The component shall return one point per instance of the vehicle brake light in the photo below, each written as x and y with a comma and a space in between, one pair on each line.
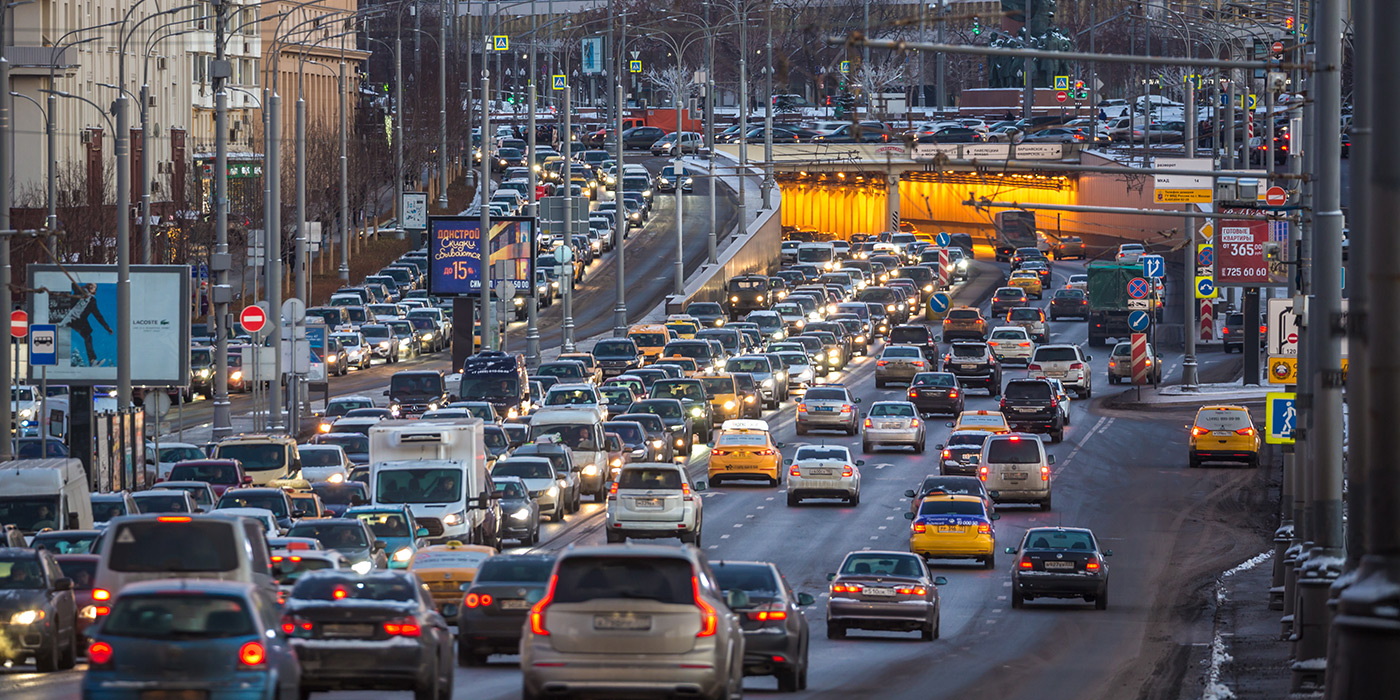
1112, 363
407, 627
101, 594
537, 612
984, 528
914, 423
709, 619
880, 363
801, 408
845, 588
1024, 345
847, 472
1032, 367
867, 423
947, 454
1092, 564
1077, 365
912, 590
1015, 438
794, 471
719, 453
1026, 563
1044, 473
846, 408
953, 394
173, 519
1247, 432
920, 528
773, 612
252, 654
918, 363
766, 453
913, 393
1225, 331
612, 492
993, 343
982, 473
473, 600
1263, 328
99, 654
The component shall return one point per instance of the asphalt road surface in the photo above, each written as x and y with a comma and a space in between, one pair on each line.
1121, 473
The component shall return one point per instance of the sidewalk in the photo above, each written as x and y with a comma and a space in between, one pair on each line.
1174, 395
1248, 660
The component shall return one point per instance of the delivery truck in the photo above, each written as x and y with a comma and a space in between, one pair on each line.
438, 470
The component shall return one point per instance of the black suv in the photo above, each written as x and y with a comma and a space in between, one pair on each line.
747, 293
974, 365
919, 336
954, 458
1031, 405
936, 392
416, 392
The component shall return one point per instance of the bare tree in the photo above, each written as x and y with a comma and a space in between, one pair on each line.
877, 76
675, 81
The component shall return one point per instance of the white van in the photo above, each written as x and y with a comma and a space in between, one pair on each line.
1016, 469
581, 430
147, 547
48, 493
438, 469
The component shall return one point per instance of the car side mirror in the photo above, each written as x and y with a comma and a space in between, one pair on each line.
780, 445
860, 463
939, 446
805, 599
701, 486
1089, 357
1010, 550
909, 493
63, 583
831, 577
1108, 552
377, 547
995, 516
949, 424
940, 581
787, 462
909, 515
736, 599
856, 401
421, 532
386, 392
1050, 458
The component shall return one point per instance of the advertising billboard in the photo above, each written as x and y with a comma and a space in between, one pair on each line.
1242, 248
455, 254
81, 300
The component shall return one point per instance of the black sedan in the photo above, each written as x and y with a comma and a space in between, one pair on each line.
1069, 302
883, 591
770, 613
934, 485
1059, 562
956, 457
376, 632
521, 514
641, 137
494, 608
38, 607
936, 392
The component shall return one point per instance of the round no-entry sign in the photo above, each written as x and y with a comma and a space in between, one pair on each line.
1275, 196
1061, 96
252, 318
19, 323
1277, 47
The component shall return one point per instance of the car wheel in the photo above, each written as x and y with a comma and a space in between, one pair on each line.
919, 447
47, 660
467, 658
558, 515
1101, 600
616, 537
1194, 461
990, 561
927, 633
1112, 379
1016, 600
68, 657
879, 383
835, 630
854, 500
866, 447
793, 499
1058, 436
1045, 504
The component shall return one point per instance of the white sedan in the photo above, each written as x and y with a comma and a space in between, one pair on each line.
823, 471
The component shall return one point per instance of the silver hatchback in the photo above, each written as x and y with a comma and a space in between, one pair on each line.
893, 423
899, 363
635, 620
828, 407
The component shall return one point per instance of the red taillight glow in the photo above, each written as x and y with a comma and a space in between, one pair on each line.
473, 600
766, 615
914, 423
537, 612
1024, 345
1026, 563
1092, 564
794, 471
340, 594
920, 528
984, 528
173, 519
845, 588
880, 363
1247, 432
1077, 365
407, 627
709, 619
918, 363
912, 590
1045, 473
1032, 367
252, 654
101, 594
99, 654
847, 472
846, 408
953, 394
868, 423
1198, 431
947, 454
982, 473
1015, 438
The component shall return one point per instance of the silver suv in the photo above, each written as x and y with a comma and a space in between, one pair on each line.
1066, 363
655, 500
1016, 468
828, 407
636, 619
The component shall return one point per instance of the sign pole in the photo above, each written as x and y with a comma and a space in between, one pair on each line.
1188, 363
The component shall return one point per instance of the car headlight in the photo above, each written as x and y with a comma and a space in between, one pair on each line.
429, 336
553, 491
656, 444
860, 339
734, 299
237, 376
833, 359
928, 288
26, 413
680, 442
800, 323
819, 356
362, 567
204, 373
646, 193
26, 617
636, 215
324, 427
729, 405
592, 469
384, 344
394, 410
521, 514
454, 518
403, 555
768, 383
697, 412
432, 406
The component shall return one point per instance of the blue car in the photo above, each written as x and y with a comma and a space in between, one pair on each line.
396, 528
187, 638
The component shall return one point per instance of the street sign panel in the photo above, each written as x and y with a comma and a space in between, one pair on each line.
19, 323
1154, 266
845, 66
253, 319
1183, 189
1276, 196
560, 83
1205, 270
1281, 335
1138, 321
43, 344
1280, 417
415, 211
1062, 82
500, 43
942, 239
1138, 288
938, 302
1240, 253
1061, 96
1205, 288
1142, 363
1140, 304
635, 66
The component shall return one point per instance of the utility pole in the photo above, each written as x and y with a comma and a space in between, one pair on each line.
123, 158
145, 174
1027, 89
344, 181
532, 328
712, 236
569, 203
767, 189
398, 134
620, 304
940, 65
678, 169
744, 106
220, 262
1188, 309
7, 110
483, 195
274, 254
299, 261
442, 105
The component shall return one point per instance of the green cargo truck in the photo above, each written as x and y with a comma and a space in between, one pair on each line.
1108, 300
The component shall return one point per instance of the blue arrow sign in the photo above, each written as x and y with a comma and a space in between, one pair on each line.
43, 344
938, 302
1154, 266
1205, 287
1137, 288
943, 239
1138, 320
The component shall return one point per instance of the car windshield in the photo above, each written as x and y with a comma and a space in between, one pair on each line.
951, 507
661, 579
531, 468
1029, 390
706, 308
508, 489
350, 442
964, 315
649, 340
902, 352
940, 379
212, 473
892, 409
151, 502
615, 348
312, 456
569, 397
1069, 294
254, 456
21, 574
825, 395
332, 535
822, 453
972, 351
862, 564
1009, 334
649, 478
966, 439
421, 485
1025, 314
339, 494
273, 500
516, 569
339, 407
715, 386
666, 410
1056, 355
336, 587
416, 384
742, 439
180, 616
1059, 540
174, 546
1012, 450
757, 580
683, 390
489, 387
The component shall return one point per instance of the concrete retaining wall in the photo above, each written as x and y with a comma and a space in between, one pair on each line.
757, 250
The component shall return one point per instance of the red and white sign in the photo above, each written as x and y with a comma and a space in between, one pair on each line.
1207, 319
252, 318
1061, 96
1277, 47
1142, 364
1239, 253
1276, 196
19, 323
943, 272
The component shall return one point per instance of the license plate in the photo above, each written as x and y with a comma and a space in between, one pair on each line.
1222, 433
825, 409
1056, 375
930, 393
1026, 409
647, 502
1016, 476
968, 366
1059, 566
950, 528
334, 630
888, 426
819, 472
622, 622
174, 694
879, 591
515, 604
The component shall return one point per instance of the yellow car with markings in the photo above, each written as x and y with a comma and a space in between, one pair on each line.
650, 339
685, 330
744, 449
447, 570
1224, 434
953, 527
985, 421
723, 393
1028, 281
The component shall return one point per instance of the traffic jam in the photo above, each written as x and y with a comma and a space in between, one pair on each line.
615, 522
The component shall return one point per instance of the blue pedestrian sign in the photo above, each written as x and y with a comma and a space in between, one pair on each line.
1280, 417
634, 67
943, 239
938, 302
845, 66
1137, 288
500, 43
559, 83
1154, 266
1138, 320
43, 344
1205, 288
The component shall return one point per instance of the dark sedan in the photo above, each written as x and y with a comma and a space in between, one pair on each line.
883, 591
936, 392
36, 603
934, 485
770, 613
376, 632
349, 536
1059, 562
1069, 302
641, 137
494, 608
956, 457
521, 513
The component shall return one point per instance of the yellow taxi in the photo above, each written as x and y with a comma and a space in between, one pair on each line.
447, 570
685, 330
953, 527
1029, 281
1224, 434
723, 393
688, 365
985, 421
306, 505
650, 339
744, 449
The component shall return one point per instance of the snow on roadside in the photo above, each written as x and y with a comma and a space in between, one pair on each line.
1219, 656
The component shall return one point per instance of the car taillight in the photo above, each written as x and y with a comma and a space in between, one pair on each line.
538, 610
918, 363
474, 600
846, 408
173, 519
1044, 473
914, 423
1083, 302
1077, 365
953, 394
867, 423
947, 454
801, 408
1225, 330
982, 473
1247, 432
880, 363
1026, 563
719, 453
771, 612
766, 453
709, 619
913, 393
1032, 367
1112, 363
1024, 345
292, 625
101, 594
912, 590
1092, 564
1263, 329
845, 588
984, 528
252, 654
920, 528
847, 472
406, 627
1198, 431
612, 492
794, 471
99, 654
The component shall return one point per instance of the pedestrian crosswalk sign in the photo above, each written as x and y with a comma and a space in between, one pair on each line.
635, 66
559, 83
500, 43
1280, 418
1062, 82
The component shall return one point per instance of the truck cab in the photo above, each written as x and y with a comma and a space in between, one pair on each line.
49, 493
438, 470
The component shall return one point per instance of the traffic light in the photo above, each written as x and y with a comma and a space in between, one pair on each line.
976, 26
1289, 24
